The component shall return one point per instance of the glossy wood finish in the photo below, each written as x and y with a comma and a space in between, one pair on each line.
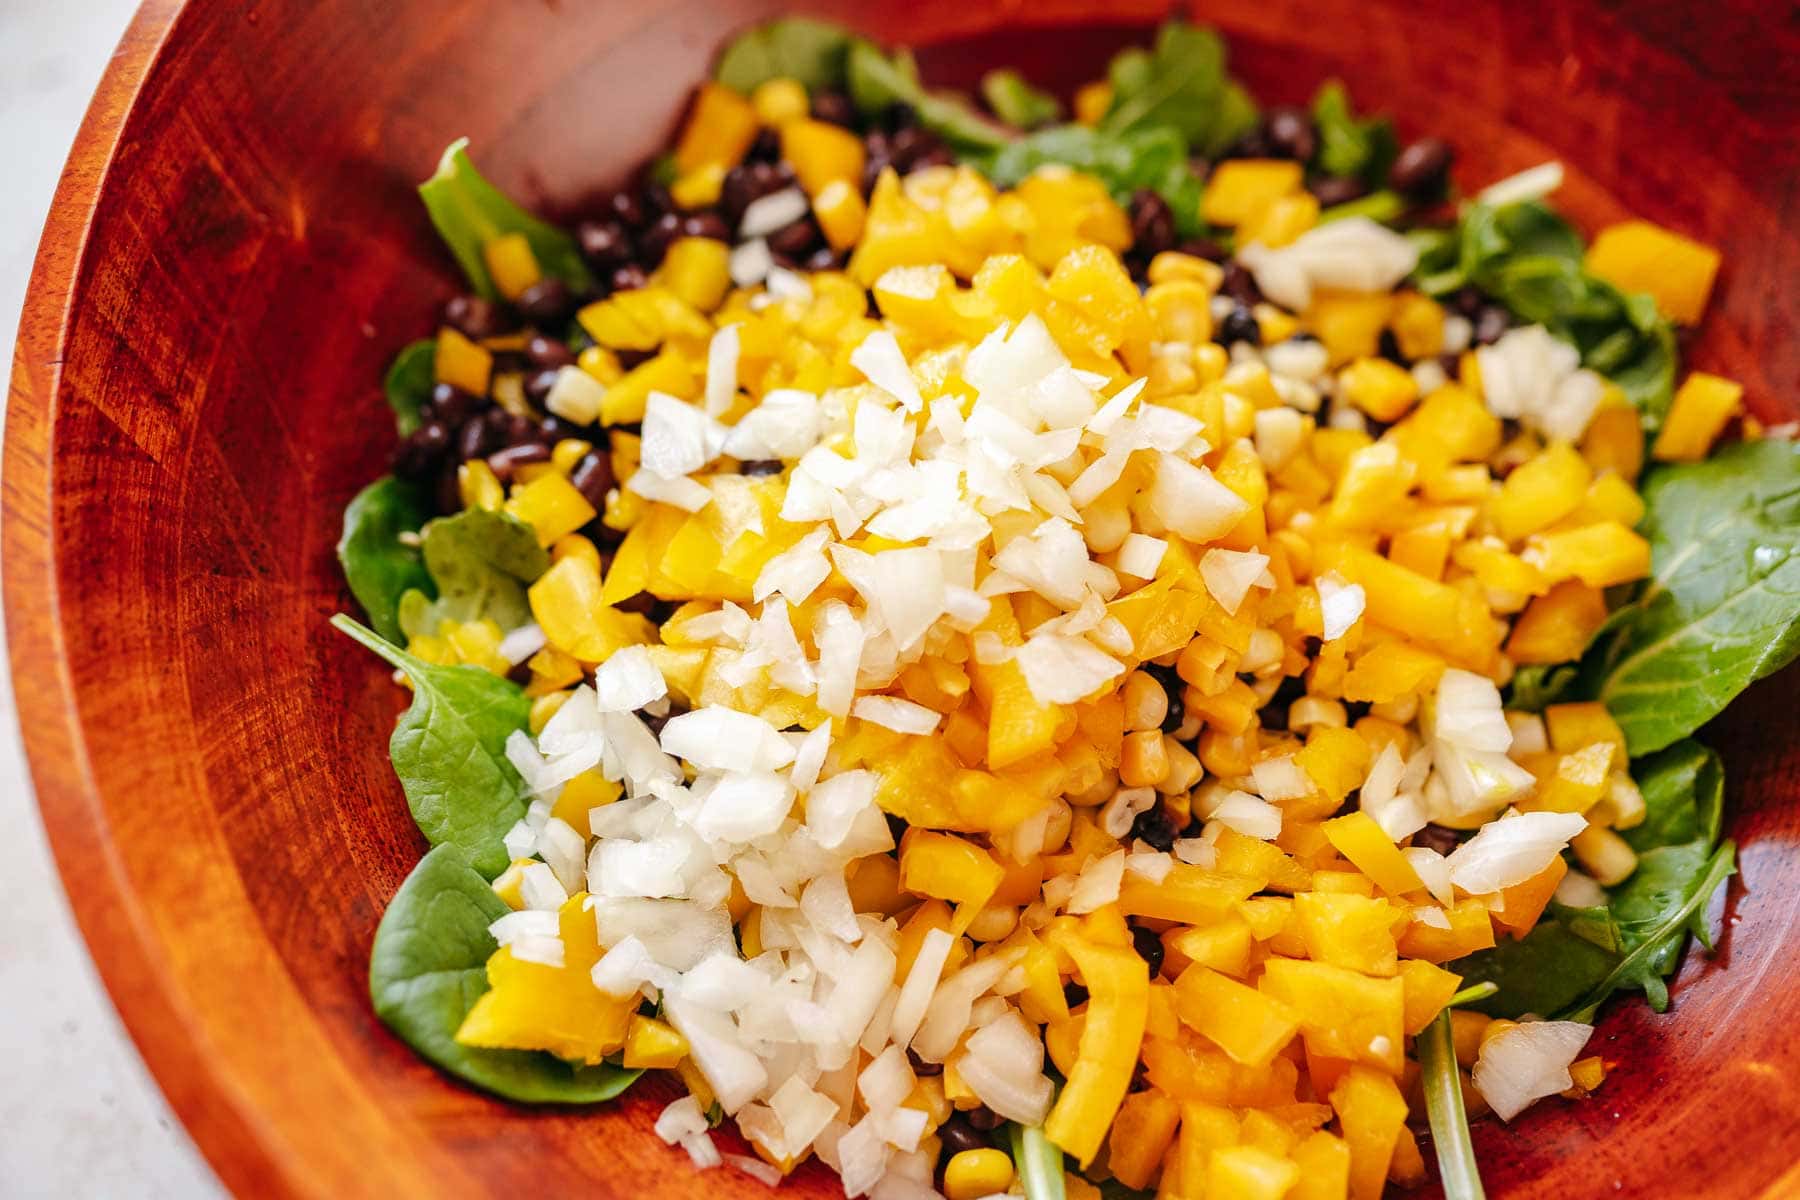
234, 254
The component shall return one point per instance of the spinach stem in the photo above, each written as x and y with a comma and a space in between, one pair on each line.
1444, 1105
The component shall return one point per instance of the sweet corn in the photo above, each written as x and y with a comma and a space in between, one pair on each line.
1604, 855
1144, 762
841, 213
974, 1173
1146, 702
1383, 389
1091, 101
780, 100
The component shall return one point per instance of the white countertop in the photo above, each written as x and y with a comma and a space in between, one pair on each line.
79, 1115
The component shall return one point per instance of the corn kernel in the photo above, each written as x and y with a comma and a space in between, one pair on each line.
1171, 265
780, 100
1418, 325
1091, 101
841, 213
1308, 711
1146, 701
1184, 770
1143, 761
1604, 855
1383, 389
602, 364
974, 1173
479, 486
511, 264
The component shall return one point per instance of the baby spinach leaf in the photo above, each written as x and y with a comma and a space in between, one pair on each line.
813, 52
1016, 102
1156, 159
469, 212
1179, 83
429, 966
1535, 688
449, 750
379, 568
877, 80
1576, 958
408, 383
1348, 147
481, 561
1722, 606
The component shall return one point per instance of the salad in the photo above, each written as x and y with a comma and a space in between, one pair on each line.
1147, 649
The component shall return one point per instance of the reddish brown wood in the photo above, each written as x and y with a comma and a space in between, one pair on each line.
235, 252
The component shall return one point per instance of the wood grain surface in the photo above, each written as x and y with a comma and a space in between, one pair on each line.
235, 252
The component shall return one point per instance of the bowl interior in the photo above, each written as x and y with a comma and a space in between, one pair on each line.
236, 253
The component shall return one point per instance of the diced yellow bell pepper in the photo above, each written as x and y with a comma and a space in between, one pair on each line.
1247, 1024
1523, 903
1223, 945
1342, 1014
509, 883
651, 1043
461, 363
1280, 221
1324, 1162
1349, 323
1600, 555
1372, 1113
581, 796
1381, 388
697, 270
1615, 441
1240, 188
1541, 492
1391, 670
1249, 1173
1636, 256
1418, 325
1356, 932
1470, 930
1703, 406
951, 868
1141, 1134
1118, 986
566, 603
1335, 759
841, 213
821, 154
1359, 839
1428, 989
1573, 782
779, 100
511, 264
530, 1006
719, 130
1572, 726
1557, 626
551, 506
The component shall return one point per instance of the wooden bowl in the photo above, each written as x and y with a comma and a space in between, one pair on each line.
235, 252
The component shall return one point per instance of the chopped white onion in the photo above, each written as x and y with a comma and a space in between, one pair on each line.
1526, 1063
1511, 850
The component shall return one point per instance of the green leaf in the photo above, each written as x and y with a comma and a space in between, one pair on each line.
469, 212
1460, 1176
878, 80
1016, 102
1156, 159
1179, 84
1383, 206
1535, 688
813, 52
482, 562
449, 750
1350, 148
1576, 958
377, 565
1039, 1162
1721, 609
429, 966
408, 383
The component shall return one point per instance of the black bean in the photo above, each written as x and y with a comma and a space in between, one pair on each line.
1437, 837
653, 243
1156, 827
1490, 323
765, 146
448, 490
422, 450
1291, 134
593, 477
655, 198
539, 383
1149, 947
1074, 995
705, 224
452, 405
746, 183
795, 241
472, 316
1337, 189
1152, 224
920, 1067
1388, 346
543, 351
629, 277
1205, 248
957, 1135
553, 429
760, 466
1452, 364
1468, 302
520, 429
1255, 144
833, 107
626, 208
1240, 284
605, 244
1239, 325
474, 438
984, 1119
937, 156
546, 302
507, 461
899, 115
909, 144
1275, 712
1423, 169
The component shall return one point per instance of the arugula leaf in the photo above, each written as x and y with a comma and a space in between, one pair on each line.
469, 212
1350, 148
449, 750
1576, 958
1722, 606
1535, 688
1460, 1175
813, 52
1530, 260
481, 562
1039, 1162
1016, 102
1145, 158
408, 383
429, 966
379, 568
878, 80
1181, 84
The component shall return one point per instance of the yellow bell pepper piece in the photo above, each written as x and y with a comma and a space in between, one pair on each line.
822, 154
1372, 1113
511, 263
1247, 1024
1141, 1135
1540, 492
461, 363
1354, 932
947, 867
1359, 839
1240, 188
1678, 272
719, 130
652, 1043
551, 506
567, 604
1600, 555
1702, 407
1342, 1014
1118, 984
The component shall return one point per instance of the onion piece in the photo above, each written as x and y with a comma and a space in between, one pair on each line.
1526, 1063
